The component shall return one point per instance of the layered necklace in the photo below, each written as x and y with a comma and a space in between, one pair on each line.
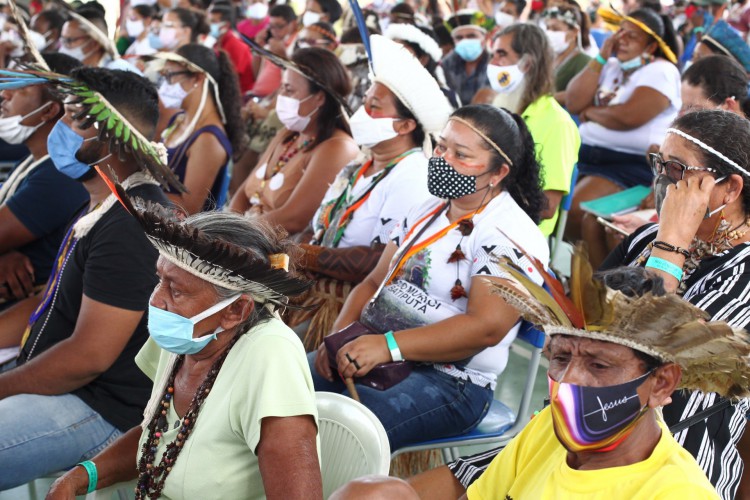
291, 150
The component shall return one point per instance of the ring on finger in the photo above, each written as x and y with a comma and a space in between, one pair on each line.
352, 361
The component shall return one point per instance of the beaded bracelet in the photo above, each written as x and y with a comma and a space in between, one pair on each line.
663, 245
600, 59
393, 347
666, 266
93, 475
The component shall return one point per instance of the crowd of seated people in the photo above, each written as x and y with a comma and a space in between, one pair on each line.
200, 199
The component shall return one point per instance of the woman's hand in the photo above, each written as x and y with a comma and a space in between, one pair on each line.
684, 209
364, 353
608, 47
74, 482
321, 363
628, 223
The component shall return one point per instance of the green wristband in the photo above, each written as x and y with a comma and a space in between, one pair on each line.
393, 347
666, 266
600, 59
93, 475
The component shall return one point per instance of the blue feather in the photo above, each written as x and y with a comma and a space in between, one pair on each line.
363, 31
18, 84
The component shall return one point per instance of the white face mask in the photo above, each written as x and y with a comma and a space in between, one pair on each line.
557, 41
504, 79
172, 94
310, 18
368, 131
134, 28
287, 109
257, 10
168, 37
503, 20
76, 52
11, 130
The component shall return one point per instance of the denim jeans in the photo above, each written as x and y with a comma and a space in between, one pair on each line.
44, 434
428, 404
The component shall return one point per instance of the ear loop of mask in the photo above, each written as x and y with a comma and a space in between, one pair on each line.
711, 213
191, 127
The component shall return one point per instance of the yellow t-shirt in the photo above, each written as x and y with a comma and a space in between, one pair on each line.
533, 466
265, 374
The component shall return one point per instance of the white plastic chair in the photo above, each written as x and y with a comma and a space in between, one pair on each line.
353, 442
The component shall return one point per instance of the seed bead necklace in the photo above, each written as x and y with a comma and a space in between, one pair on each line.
289, 153
151, 477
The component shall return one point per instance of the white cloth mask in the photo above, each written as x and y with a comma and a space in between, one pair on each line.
76, 52
172, 94
168, 37
11, 130
504, 79
257, 10
503, 20
368, 131
309, 18
287, 109
557, 40
134, 28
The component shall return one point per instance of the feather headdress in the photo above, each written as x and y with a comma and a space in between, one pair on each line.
713, 356
217, 261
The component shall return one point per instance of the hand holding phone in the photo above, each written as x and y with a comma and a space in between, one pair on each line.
609, 225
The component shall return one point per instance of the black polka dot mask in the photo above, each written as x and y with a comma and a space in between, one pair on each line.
445, 182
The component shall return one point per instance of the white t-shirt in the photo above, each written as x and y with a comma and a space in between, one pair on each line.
140, 48
660, 75
421, 293
390, 200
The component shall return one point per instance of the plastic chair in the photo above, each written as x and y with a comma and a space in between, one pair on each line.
353, 442
556, 244
501, 423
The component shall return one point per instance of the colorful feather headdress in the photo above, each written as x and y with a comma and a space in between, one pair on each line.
713, 356
217, 261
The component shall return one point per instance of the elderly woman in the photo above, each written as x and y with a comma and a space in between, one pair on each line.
430, 298
701, 248
626, 98
232, 410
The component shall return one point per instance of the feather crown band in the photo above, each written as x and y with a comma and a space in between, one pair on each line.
569, 17
713, 356
615, 18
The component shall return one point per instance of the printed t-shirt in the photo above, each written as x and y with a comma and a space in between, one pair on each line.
556, 142
390, 200
534, 465
421, 292
114, 264
660, 75
264, 375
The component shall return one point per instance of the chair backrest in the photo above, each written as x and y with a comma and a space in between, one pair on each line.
562, 220
536, 338
353, 442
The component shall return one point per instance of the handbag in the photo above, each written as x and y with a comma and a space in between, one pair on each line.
382, 376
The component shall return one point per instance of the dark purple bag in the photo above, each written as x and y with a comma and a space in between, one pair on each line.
384, 375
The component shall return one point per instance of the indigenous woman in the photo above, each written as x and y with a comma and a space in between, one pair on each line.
701, 248
202, 87
626, 98
567, 29
429, 300
370, 196
313, 146
232, 410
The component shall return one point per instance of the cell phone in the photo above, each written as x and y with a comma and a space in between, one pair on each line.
606, 223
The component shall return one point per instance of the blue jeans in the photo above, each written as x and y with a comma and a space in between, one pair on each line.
428, 404
44, 434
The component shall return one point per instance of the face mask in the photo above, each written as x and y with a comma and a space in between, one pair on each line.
557, 41
76, 52
445, 182
257, 11
368, 131
287, 108
310, 18
660, 192
134, 28
172, 94
174, 333
503, 20
469, 49
168, 37
216, 30
632, 64
504, 79
62, 145
595, 418
11, 130
154, 41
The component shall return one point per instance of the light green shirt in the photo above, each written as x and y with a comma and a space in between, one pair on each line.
265, 375
557, 141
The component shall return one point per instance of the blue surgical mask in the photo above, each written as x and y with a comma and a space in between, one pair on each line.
215, 30
174, 333
63, 144
469, 49
632, 64
154, 41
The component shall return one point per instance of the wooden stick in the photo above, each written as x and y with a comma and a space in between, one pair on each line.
349, 381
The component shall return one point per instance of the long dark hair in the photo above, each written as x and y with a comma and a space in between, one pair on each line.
324, 66
221, 69
662, 26
728, 134
193, 19
720, 77
508, 131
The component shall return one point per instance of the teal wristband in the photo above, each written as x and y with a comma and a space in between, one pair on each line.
93, 476
666, 266
393, 347
600, 59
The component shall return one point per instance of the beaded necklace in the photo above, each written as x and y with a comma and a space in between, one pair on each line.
151, 477
289, 153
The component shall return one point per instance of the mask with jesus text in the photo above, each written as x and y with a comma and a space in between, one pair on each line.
598, 419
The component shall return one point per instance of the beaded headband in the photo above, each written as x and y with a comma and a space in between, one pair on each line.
708, 148
483, 136
568, 17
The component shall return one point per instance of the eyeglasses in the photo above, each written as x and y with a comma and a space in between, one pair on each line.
673, 168
169, 75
